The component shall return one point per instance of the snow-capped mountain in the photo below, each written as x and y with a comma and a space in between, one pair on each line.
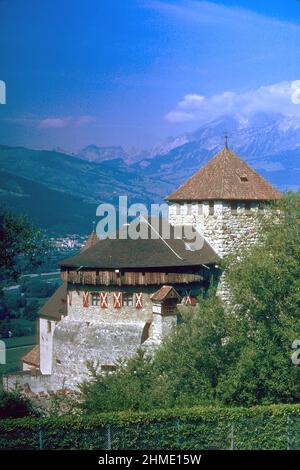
270, 143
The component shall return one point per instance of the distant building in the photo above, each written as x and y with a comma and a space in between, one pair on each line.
119, 295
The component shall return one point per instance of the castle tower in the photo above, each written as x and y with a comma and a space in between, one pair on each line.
221, 201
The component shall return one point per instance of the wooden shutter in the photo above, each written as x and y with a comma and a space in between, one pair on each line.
139, 300
85, 299
117, 299
70, 297
104, 299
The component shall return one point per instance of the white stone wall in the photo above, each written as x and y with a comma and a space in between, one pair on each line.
224, 230
79, 342
162, 326
47, 328
96, 314
28, 367
98, 335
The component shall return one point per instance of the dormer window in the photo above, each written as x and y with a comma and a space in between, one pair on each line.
243, 178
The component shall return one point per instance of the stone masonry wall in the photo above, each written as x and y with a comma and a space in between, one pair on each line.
224, 230
77, 342
76, 311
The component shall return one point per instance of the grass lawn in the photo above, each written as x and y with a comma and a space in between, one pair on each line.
16, 348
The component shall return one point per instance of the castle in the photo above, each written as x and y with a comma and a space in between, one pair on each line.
119, 294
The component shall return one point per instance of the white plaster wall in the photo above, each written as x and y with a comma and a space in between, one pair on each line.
78, 342
27, 367
46, 345
162, 326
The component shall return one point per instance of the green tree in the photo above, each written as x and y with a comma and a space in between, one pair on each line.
31, 310
21, 245
239, 354
265, 287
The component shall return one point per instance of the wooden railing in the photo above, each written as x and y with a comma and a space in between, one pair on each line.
129, 278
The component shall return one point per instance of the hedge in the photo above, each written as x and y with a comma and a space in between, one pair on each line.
261, 427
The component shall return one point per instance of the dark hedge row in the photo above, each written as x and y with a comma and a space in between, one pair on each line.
262, 427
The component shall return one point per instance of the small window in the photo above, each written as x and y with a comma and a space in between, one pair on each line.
95, 299
49, 326
211, 208
243, 178
248, 207
58, 361
127, 299
234, 208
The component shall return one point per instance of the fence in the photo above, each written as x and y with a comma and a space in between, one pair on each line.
280, 432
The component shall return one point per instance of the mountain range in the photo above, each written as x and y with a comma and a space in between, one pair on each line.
60, 191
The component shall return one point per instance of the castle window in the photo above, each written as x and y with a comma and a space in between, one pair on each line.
211, 207
127, 299
248, 208
95, 299
48, 326
243, 178
233, 207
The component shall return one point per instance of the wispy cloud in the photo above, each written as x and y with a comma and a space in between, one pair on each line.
283, 97
84, 120
211, 13
66, 121
54, 123
58, 122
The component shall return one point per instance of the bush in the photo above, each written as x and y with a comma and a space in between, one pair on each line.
261, 427
13, 405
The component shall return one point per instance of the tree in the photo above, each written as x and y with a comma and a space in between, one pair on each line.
265, 288
237, 354
21, 244
31, 310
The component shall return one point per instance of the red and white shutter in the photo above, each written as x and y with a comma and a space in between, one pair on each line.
188, 300
139, 300
117, 299
70, 297
85, 299
103, 299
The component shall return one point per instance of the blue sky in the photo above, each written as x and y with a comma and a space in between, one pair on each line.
115, 72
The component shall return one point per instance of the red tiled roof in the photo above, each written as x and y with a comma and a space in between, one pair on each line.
225, 177
56, 305
32, 357
165, 292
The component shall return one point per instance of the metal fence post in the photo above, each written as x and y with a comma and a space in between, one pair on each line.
288, 440
232, 437
178, 432
41, 440
108, 437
